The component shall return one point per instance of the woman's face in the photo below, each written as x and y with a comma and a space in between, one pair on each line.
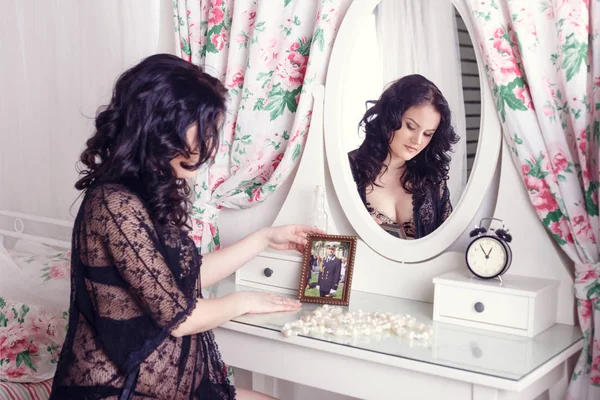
418, 126
192, 141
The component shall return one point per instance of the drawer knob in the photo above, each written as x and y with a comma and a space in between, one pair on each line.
268, 272
479, 307
476, 350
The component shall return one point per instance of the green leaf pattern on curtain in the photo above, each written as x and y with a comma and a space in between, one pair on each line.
542, 59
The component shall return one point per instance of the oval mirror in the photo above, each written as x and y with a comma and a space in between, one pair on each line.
385, 125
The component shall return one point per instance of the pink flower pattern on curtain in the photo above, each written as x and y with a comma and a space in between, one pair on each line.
543, 64
267, 54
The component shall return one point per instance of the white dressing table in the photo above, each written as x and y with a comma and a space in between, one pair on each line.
462, 363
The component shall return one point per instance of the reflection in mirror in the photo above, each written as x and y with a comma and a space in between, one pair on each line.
415, 98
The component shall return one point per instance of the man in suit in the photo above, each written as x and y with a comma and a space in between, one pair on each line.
329, 275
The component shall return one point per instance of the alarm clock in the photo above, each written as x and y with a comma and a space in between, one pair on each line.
489, 255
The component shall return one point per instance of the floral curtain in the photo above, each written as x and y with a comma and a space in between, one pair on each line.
267, 54
543, 63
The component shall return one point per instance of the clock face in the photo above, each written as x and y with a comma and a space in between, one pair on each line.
486, 257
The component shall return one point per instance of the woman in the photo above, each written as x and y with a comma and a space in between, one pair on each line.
401, 168
138, 325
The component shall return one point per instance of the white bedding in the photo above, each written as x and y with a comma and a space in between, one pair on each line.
34, 303
35, 273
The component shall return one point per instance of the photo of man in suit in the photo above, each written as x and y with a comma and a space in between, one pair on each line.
329, 274
326, 269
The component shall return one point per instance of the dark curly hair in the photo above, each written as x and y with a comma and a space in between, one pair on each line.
429, 167
144, 127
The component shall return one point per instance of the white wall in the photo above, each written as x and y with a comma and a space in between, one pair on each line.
58, 63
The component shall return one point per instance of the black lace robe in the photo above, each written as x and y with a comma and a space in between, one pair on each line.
132, 283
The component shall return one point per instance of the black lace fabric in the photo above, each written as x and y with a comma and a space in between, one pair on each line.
432, 209
132, 284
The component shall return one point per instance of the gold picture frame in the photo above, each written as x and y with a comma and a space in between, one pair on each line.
327, 269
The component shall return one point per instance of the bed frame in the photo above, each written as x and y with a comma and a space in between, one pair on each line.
48, 231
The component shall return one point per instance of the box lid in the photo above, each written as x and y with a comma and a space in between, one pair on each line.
281, 255
511, 284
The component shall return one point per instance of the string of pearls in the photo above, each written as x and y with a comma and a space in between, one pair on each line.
334, 321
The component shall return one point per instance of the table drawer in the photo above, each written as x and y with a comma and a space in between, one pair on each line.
481, 306
271, 270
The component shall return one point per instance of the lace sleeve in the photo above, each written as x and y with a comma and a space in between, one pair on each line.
132, 242
446, 208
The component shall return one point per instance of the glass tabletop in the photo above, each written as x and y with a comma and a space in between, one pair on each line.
485, 352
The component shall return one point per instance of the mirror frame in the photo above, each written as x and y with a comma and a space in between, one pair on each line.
484, 166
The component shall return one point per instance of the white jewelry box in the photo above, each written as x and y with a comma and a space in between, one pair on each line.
518, 305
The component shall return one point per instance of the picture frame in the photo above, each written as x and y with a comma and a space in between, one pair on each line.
327, 269
394, 230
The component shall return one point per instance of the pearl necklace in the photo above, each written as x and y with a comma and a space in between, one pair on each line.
334, 321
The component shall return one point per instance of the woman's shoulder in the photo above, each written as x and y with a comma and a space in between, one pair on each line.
107, 205
114, 196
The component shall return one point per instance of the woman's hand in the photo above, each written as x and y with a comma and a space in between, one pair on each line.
262, 303
289, 237
210, 313
221, 263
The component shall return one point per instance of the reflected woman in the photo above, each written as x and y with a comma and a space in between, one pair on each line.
401, 168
